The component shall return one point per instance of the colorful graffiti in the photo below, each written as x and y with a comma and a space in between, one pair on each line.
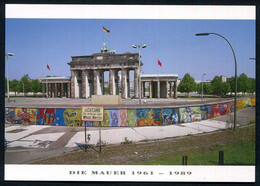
72, 117
170, 116
106, 122
45, 116
131, 117
223, 109
148, 117
25, 116
9, 115
252, 102
113, 118
190, 114
122, 118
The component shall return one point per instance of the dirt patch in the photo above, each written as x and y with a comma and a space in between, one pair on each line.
147, 150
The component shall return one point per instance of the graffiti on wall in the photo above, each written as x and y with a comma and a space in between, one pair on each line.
223, 109
148, 117
106, 122
25, 116
131, 117
170, 116
204, 112
9, 115
252, 102
113, 118
190, 114
122, 118
72, 117
45, 116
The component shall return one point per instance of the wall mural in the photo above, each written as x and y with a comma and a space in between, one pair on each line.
190, 114
148, 117
210, 111
9, 115
241, 104
45, 116
72, 117
122, 117
113, 118
252, 102
106, 122
131, 117
204, 112
170, 116
25, 116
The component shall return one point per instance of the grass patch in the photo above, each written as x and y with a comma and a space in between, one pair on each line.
240, 153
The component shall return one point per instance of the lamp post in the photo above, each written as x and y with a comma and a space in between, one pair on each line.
139, 69
7, 78
235, 100
202, 87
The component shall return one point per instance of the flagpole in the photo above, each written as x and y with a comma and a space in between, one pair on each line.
46, 87
158, 79
102, 39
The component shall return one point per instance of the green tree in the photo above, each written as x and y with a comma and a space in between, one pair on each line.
241, 83
14, 86
187, 84
216, 84
25, 80
231, 82
36, 86
250, 85
225, 88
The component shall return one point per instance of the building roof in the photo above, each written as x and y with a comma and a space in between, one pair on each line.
159, 75
57, 77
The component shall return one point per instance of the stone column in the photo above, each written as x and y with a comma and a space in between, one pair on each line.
49, 90
72, 84
158, 93
175, 89
123, 83
136, 83
142, 88
43, 90
167, 94
61, 90
150, 90
68, 89
170, 89
111, 82
83, 83
55, 90
95, 81
128, 83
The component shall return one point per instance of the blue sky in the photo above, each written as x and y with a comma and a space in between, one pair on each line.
38, 42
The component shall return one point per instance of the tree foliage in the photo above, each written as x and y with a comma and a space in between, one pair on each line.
241, 83
187, 84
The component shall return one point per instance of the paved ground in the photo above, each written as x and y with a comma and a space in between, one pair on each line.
133, 103
31, 143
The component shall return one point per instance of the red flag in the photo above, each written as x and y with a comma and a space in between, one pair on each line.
159, 63
48, 67
105, 30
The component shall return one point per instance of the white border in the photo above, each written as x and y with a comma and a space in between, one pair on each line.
129, 11
160, 173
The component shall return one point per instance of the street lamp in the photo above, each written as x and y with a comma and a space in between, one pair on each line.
8, 54
202, 87
235, 101
139, 69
